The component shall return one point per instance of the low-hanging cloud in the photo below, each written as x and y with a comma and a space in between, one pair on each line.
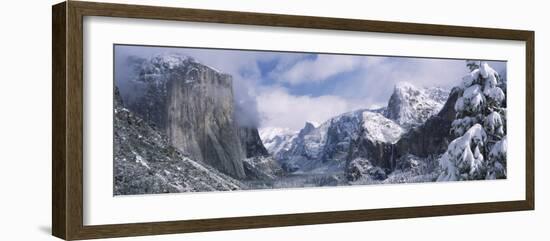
318, 69
374, 82
242, 66
281, 109
281, 89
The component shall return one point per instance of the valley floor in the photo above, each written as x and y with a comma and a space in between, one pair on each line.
418, 174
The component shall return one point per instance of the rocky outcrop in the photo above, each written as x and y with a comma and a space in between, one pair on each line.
410, 106
361, 168
376, 141
262, 168
432, 137
276, 139
306, 144
380, 154
145, 162
252, 143
362, 133
367, 134
194, 105
200, 118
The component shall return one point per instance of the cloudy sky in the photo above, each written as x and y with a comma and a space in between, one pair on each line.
285, 89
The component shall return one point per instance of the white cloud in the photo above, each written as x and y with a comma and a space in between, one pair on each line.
318, 69
370, 85
281, 109
374, 83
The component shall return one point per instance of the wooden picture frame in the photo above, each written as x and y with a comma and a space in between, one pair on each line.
67, 124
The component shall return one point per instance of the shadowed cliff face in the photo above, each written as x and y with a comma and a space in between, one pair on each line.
146, 163
433, 136
194, 105
250, 139
430, 138
410, 106
200, 118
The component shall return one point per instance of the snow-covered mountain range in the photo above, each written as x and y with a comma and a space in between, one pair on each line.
277, 139
179, 131
185, 110
194, 105
358, 133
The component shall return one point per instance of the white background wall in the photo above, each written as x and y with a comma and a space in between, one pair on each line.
25, 120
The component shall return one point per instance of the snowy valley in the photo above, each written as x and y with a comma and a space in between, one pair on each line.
178, 130
358, 147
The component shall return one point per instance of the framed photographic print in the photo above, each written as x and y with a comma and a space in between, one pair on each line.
171, 120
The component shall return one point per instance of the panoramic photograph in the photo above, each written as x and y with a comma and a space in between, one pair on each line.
204, 120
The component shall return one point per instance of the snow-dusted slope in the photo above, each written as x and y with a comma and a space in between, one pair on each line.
361, 133
262, 168
328, 145
146, 163
194, 105
411, 106
379, 128
276, 139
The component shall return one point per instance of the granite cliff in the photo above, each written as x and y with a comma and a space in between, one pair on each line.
193, 104
146, 163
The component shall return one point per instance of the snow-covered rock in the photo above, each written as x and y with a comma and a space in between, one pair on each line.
411, 106
361, 168
379, 128
194, 105
262, 168
409, 169
358, 134
252, 142
433, 136
277, 139
328, 146
146, 163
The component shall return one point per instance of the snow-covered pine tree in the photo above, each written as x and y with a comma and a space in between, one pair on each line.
479, 150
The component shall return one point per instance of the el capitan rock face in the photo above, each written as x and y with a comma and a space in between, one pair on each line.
194, 105
145, 162
182, 126
200, 118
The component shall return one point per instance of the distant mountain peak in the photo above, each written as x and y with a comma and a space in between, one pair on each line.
379, 128
276, 139
307, 128
402, 85
410, 106
313, 123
